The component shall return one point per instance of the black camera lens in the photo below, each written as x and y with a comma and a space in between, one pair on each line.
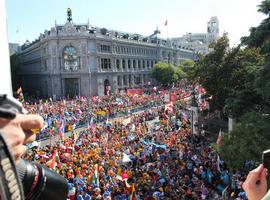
41, 183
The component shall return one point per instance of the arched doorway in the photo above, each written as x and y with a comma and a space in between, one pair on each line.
107, 87
71, 87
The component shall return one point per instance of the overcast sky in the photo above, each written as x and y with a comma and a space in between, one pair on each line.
28, 18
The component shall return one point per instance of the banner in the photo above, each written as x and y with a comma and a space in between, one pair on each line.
173, 97
134, 91
167, 97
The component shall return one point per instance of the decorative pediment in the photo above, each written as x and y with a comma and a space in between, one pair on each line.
69, 28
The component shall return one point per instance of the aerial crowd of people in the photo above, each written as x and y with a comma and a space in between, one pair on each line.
132, 147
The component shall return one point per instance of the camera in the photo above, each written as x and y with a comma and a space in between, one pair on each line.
25, 180
41, 183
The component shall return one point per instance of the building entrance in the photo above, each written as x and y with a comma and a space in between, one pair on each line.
107, 87
71, 87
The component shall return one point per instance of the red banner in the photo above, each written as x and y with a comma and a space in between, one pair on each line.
173, 97
134, 91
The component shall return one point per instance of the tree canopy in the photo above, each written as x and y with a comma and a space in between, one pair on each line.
166, 73
238, 78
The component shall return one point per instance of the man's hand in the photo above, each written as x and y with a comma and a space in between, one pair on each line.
255, 185
17, 132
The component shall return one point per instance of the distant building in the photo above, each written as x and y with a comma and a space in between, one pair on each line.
79, 59
199, 42
13, 48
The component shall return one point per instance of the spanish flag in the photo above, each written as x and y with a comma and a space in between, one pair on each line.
20, 94
52, 163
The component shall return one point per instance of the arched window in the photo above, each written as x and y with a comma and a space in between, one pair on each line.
70, 58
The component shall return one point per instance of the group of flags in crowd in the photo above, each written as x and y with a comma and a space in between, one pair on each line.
170, 98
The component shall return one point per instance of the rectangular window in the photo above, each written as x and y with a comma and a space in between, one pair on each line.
45, 65
129, 64
139, 64
118, 64
105, 63
118, 80
123, 64
134, 64
105, 48
125, 80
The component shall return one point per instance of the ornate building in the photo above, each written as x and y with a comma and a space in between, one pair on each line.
199, 42
78, 59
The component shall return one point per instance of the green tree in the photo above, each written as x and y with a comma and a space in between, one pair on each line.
211, 73
249, 138
228, 75
244, 65
165, 73
259, 38
189, 69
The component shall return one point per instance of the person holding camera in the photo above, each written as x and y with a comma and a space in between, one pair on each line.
21, 179
17, 132
255, 184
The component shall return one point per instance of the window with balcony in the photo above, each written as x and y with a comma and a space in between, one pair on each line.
123, 64
134, 64
105, 48
129, 64
105, 63
118, 64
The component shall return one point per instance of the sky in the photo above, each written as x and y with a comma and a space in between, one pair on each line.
26, 19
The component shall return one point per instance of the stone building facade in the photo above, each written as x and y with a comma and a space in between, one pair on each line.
199, 42
74, 59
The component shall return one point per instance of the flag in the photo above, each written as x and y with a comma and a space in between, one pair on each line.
89, 124
126, 158
19, 90
132, 195
126, 121
166, 22
127, 184
20, 94
173, 97
169, 107
74, 137
96, 176
62, 130
219, 140
53, 162
218, 163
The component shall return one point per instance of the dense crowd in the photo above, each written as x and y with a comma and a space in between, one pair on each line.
148, 154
